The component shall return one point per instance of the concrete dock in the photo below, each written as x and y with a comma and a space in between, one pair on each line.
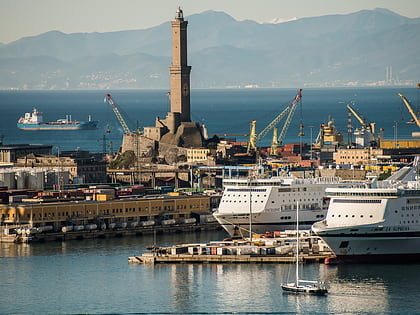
265, 249
152, 258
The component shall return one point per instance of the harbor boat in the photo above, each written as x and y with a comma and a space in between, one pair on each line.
265, 204
34, 121
311, 287
303, 286
380, 223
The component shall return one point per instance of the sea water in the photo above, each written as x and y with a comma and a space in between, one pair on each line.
222, 111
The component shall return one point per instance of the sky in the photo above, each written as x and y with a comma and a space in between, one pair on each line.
21, 18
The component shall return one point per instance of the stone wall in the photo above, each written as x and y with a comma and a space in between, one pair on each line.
150, 149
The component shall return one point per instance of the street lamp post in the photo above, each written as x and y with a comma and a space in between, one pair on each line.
311, 127
396, 134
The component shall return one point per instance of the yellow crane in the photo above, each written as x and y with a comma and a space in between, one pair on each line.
410, 109
370, 126
287, 112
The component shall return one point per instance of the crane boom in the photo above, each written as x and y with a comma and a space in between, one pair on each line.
362, 122
286, 125
117, 113
370, 126
410, 109
280, 116
289, 111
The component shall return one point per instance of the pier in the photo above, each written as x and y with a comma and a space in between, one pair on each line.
260, 250
152, 258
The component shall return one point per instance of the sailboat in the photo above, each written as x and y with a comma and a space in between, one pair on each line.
303, 286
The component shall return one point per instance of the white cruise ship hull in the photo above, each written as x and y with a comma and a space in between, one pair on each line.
375, 224
369, 246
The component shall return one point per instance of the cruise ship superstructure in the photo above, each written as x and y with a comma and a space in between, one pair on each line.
269, 204
380, 223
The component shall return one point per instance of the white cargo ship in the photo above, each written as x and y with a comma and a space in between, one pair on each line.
269, 204
34, 121
380, 223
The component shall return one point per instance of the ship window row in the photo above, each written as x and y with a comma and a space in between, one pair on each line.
411, 208
408, 222
297, 189
301, 206
258, 184
239, 216
409, 215
366, 194
413, 200
355, 201
411, 192
246, 190
315, 194
239, 201
283, 189
245, 196
348, 215
309, 199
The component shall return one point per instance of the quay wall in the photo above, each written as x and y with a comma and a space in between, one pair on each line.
108, 215
108, 233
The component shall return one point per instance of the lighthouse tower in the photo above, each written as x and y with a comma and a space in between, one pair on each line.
179, 70
177, 128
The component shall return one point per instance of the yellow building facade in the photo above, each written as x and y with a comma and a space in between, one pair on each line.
392, 144
356, 156
197, 155
59, 214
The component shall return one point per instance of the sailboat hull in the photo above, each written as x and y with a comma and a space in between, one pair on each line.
311, 287
303, 289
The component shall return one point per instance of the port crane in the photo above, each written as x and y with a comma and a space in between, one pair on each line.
287, 112
410, 109
365, 125
114, 106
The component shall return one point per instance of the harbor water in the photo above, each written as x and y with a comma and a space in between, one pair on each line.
94, 277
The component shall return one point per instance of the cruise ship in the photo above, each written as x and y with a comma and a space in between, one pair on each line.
34, 121
269, 204
379, 223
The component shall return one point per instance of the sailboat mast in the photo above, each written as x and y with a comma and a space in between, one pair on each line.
297, 243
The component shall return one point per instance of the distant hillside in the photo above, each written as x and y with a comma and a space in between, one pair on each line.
328, 50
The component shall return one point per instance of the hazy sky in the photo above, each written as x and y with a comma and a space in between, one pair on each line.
20, 18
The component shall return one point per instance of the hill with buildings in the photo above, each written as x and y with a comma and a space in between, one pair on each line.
370, 47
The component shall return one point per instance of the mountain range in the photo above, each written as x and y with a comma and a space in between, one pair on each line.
369, 47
